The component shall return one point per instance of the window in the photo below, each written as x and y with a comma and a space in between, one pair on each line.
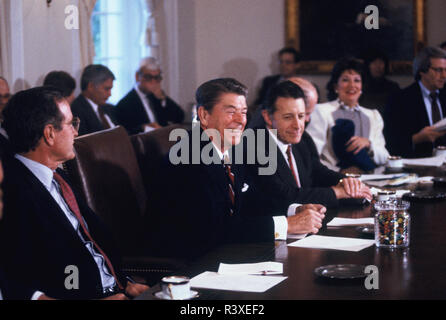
118, 28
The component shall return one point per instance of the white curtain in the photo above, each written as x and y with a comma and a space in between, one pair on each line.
5, 59
152, 39
85, 35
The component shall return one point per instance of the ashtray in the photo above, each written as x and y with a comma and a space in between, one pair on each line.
341, 271
424, 196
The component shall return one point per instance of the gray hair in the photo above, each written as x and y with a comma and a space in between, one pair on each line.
150, 63
96, 74
422, 61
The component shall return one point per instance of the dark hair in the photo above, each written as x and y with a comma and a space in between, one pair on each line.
296, 54
374, 55
422, 61
443, 45
284, 89
62, 81
95, 73
339, 68
208, 94
27, 113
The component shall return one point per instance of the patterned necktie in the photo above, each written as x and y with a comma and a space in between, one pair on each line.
435, 110
104, 121
290, 162
70, 199
231, 184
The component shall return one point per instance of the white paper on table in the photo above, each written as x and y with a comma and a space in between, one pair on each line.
341, 222
245, 283
251, 268
398, 193
408, 178
428, 162
369, 177
335, 243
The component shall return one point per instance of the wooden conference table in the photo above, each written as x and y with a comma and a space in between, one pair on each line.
418, 272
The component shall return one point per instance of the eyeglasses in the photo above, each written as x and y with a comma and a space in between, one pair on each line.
438, 70
76, 123
5, 96
149, 77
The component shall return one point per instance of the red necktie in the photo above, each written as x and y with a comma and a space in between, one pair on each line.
68, 195
290, 162
435, 110
231, 185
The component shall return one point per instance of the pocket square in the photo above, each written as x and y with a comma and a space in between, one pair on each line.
245, 187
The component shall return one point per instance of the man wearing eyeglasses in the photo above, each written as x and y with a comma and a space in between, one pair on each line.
410, 115
146, 106
51, 243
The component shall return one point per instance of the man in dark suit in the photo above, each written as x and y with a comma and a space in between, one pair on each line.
210, 191
51, 243
410, 115
90, 106
289, 59
300, 176
146, 106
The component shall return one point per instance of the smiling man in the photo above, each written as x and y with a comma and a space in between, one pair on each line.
300, 176
211, 204
410, 115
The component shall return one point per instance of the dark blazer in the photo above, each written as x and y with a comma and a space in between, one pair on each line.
37, 242
281, 188
267, 84
5, 146
132, 115
89, 120
199, 218
403, 117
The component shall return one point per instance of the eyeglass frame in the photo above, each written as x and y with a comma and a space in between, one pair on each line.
438, 70
149, 77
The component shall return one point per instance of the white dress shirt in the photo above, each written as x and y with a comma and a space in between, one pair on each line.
428, 103
146, 103
45, 176
96, 111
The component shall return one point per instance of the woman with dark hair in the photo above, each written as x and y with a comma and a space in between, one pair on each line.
348, 137
376, 87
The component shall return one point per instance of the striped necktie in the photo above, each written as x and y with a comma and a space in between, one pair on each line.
291, 164
230, 184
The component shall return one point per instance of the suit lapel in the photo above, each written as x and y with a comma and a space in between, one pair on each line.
139, 114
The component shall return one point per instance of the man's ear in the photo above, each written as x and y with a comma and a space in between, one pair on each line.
49, 134
203, 116
137, 76
268, 119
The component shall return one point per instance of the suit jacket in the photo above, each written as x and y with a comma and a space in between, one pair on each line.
267, 84
198, 217
132, 115
5, 146
89, 120
37, 241
406, 115
281, 188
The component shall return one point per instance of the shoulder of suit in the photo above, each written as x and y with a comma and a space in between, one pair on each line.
131, 95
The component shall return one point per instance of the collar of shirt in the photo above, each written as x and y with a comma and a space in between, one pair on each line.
94, 106
3, 132
425, 91
42, 172
221, 155
282, 146
344, 107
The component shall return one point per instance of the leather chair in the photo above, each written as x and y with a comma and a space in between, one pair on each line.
151, 148
106, 171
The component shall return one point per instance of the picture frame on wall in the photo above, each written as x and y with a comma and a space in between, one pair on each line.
325, 31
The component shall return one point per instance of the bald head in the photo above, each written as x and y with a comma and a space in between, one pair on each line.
4, 93
311, 96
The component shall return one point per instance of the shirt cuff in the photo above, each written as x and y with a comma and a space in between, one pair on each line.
280, 227
292, 209
37, 295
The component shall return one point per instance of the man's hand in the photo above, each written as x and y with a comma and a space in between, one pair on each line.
308, 219
351, 188
427, 134
356, 144
135, 289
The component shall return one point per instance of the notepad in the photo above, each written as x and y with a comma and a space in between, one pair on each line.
342, 222
251, 268
334, 243
243, 283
